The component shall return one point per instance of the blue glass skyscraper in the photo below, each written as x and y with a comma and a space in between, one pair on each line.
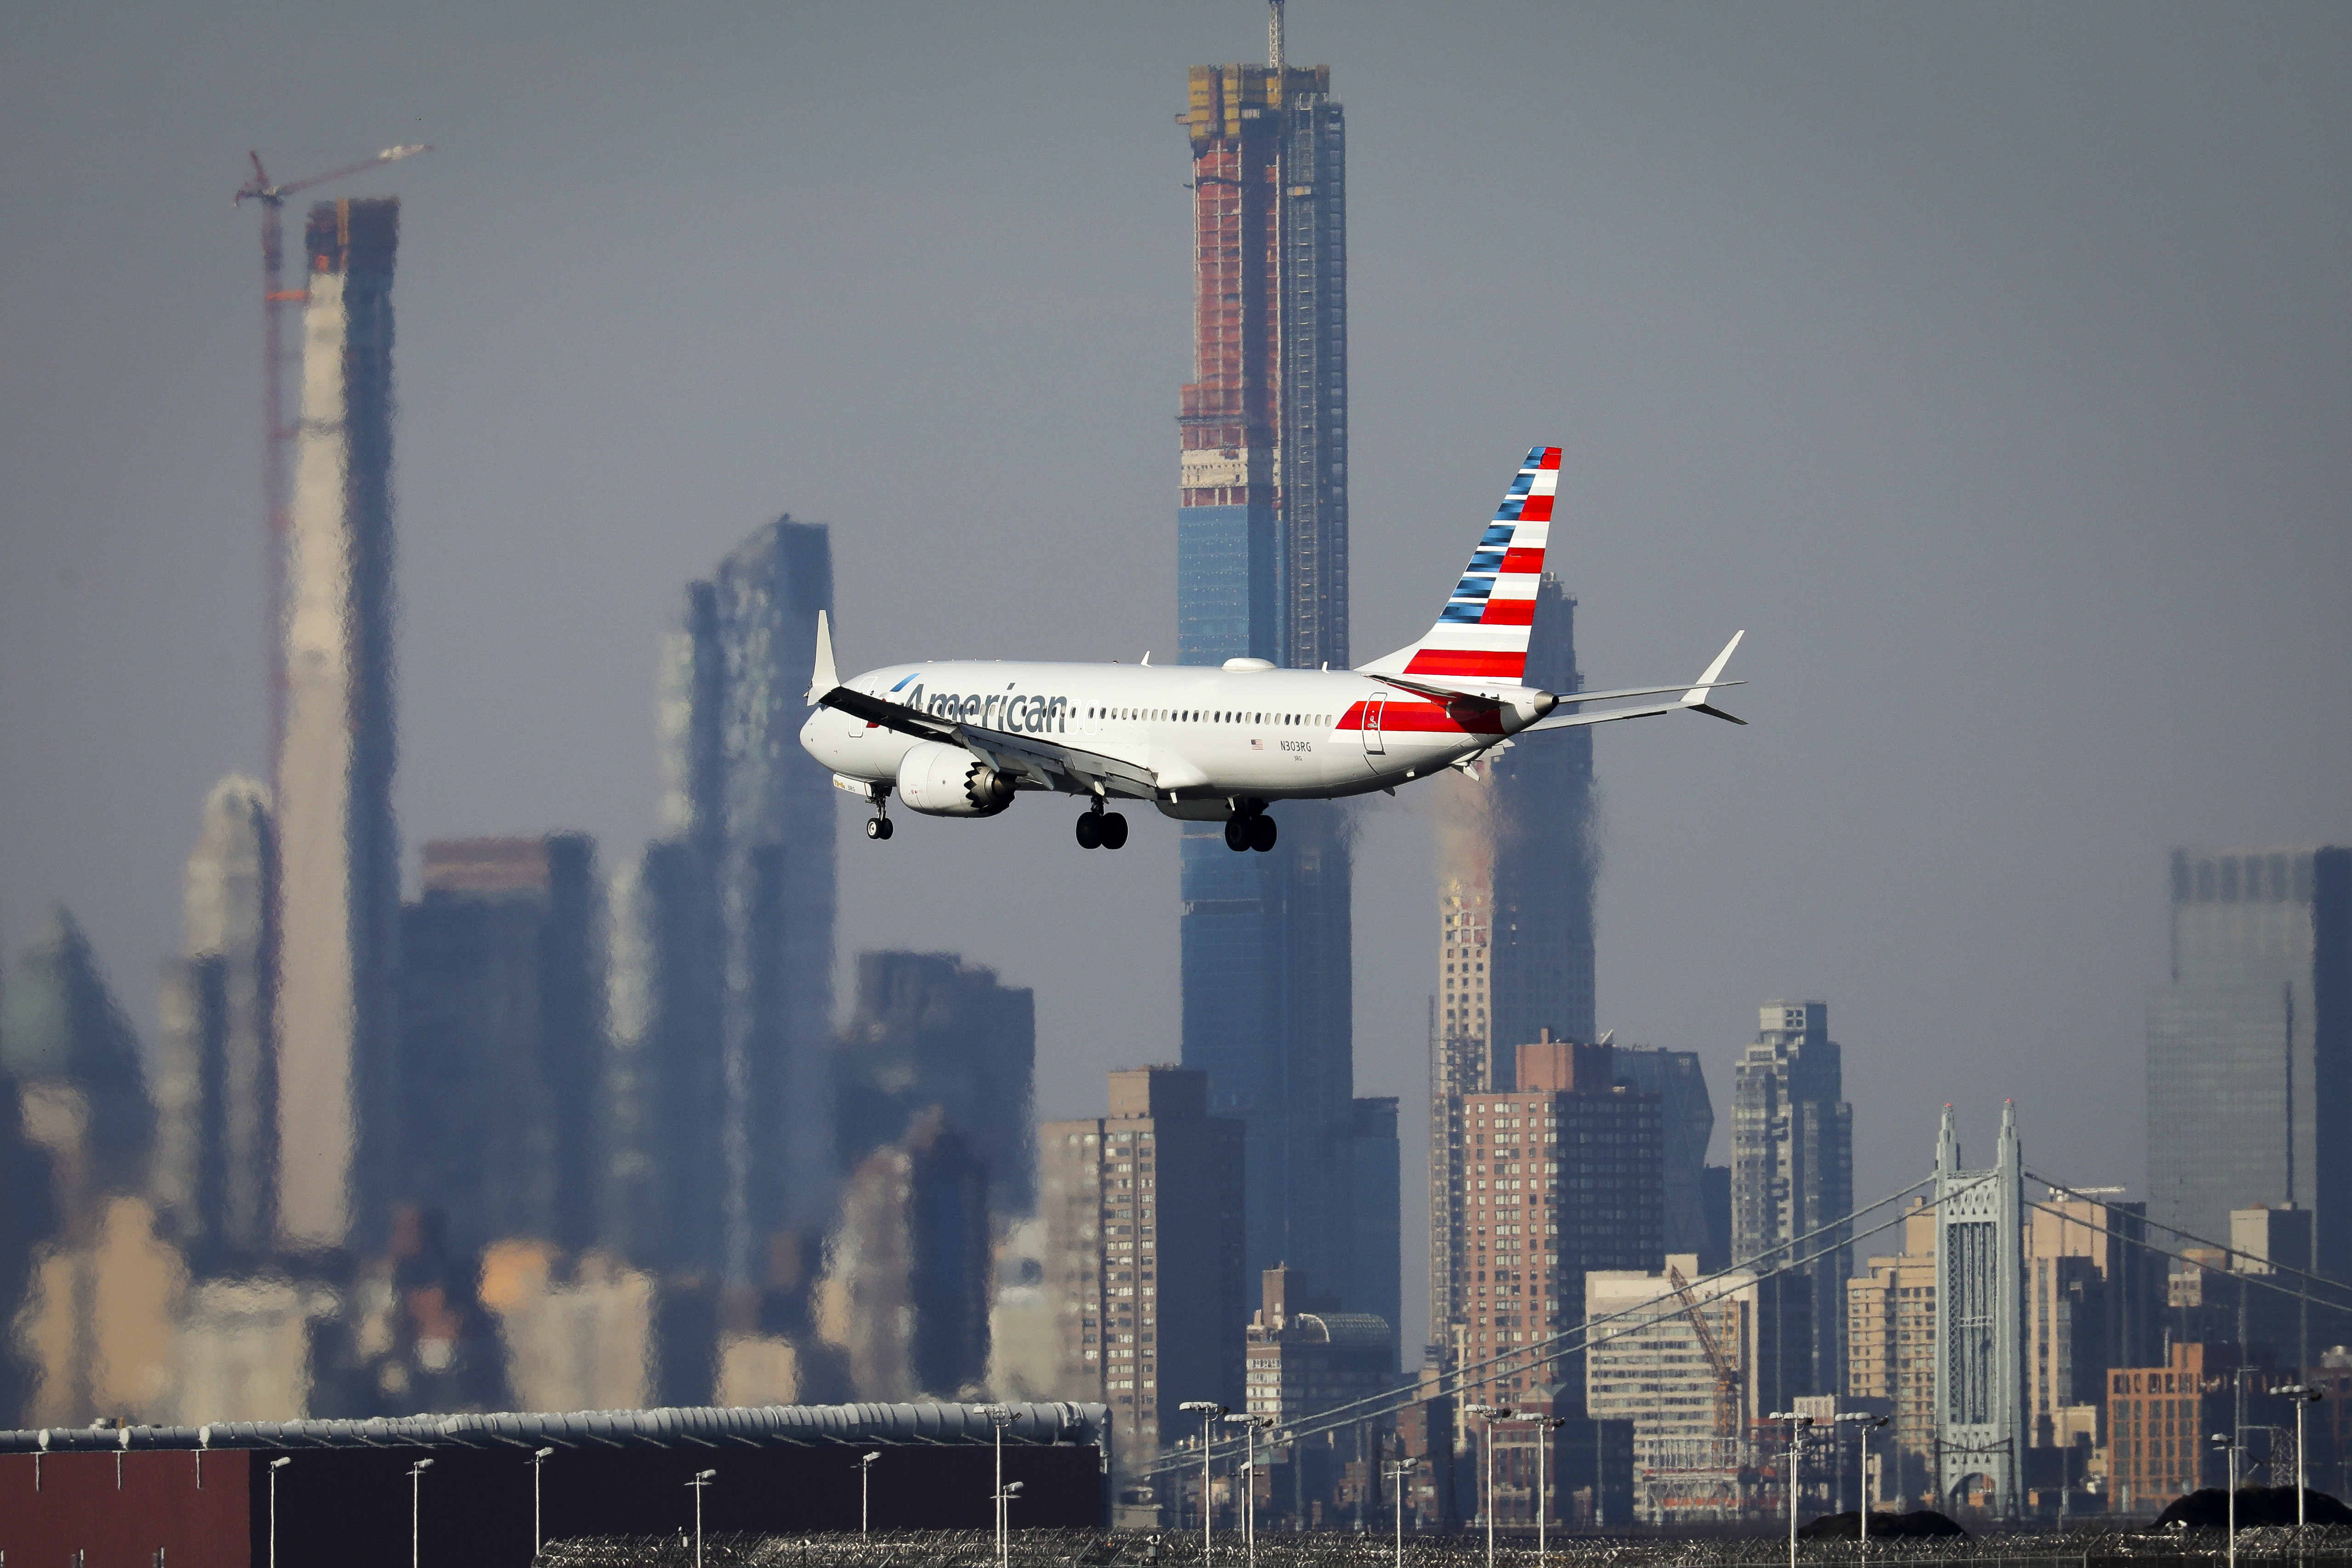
1262, 553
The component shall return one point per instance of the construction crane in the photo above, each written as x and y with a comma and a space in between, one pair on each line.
278, 430
1726, 1381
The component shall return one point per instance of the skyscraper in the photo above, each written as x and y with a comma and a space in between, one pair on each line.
1262, 572
216, 1079
2250, 1047
1561, 1178
1545, 858
933, 1033
501, 1022
1515, 867
339, 899
1686, 1122
723, 976
1376, 1209
76, 1062
1793, 1173
1143, 1254
87, 1334
665, 1075
909, 1283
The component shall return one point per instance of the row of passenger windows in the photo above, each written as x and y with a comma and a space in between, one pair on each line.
1199, 716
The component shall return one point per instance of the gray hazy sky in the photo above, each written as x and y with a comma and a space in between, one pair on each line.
1992, 364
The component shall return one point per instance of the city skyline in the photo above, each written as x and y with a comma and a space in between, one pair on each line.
515, 741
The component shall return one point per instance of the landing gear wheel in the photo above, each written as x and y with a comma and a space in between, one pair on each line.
1090, 835
1114, 830
1261, 834
877, 827
1237, 834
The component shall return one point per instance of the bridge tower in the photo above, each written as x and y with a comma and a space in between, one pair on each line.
1980, 1319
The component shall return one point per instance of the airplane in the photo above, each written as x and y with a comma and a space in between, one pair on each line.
1222, 744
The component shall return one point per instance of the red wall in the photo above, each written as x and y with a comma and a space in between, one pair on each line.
349, 1508
77, 1506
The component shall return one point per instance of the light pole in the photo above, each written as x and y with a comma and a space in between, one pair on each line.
1546, 1425
2305, 1396
864, 1465
275, 1465
701, 1479
1000, 1417
1397, 1472
2221, 1441
1251, 1425
415, 1495
1493, 1412
1797, 1425
537, 1536
1208, 1410
1005, 1496
1867, 1424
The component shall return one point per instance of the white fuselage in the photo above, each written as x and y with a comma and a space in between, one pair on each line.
1205, 733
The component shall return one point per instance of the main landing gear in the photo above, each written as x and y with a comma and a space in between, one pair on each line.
877, 827
1101, 829
1252, 831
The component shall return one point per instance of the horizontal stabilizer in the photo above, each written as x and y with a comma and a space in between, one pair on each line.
1577, 720
1693, 698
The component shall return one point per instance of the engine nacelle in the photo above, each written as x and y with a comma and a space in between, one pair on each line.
946, 780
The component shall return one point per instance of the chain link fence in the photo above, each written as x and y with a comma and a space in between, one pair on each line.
2318, 1547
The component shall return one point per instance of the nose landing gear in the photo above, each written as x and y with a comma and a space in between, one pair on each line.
1101, 829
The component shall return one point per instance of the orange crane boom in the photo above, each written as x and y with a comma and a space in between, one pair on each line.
1726, 1379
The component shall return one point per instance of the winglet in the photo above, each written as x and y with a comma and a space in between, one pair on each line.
824, 678
1696, 697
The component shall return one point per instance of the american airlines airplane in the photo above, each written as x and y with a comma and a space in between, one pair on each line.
963, 739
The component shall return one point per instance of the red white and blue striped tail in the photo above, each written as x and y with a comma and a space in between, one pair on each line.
1481, 636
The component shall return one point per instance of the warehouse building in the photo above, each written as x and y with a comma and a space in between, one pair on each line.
479, 1491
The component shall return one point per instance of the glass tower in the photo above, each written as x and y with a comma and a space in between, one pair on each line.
2250, 1046
1792, 1175
1262, 572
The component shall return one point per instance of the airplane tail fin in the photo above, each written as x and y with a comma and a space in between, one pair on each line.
823, 678
1481, 635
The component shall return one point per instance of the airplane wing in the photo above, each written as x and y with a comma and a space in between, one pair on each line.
1055, 766
1047, 763
888, 714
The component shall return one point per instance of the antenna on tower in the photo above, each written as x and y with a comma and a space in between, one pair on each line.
1273, 37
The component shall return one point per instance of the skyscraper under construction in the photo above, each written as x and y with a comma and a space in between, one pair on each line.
339, 859
1261, 574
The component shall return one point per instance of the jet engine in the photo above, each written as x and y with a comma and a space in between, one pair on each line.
946, 780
